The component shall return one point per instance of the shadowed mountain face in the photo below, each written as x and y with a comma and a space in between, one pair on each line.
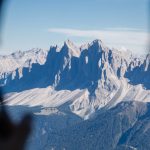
72, 68
140, 74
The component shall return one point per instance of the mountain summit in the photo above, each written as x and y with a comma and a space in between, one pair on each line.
72, 49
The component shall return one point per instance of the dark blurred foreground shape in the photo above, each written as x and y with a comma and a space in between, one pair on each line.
12, 136
1, 6
1, 2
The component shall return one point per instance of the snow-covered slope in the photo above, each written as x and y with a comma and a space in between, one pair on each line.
80, 80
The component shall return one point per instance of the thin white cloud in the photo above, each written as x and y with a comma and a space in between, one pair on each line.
134, 39
125, 29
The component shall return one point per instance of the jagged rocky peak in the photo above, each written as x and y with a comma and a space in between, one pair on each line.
71, 48
98, 45
54, 48
69, 43
97, 41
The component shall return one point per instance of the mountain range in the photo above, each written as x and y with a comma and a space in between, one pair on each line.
82, 97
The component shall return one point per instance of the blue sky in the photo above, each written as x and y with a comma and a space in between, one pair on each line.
41, 23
